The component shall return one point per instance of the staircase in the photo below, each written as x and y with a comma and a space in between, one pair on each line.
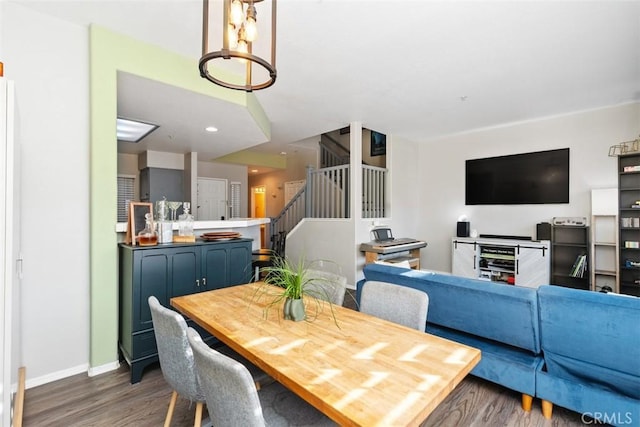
326, 191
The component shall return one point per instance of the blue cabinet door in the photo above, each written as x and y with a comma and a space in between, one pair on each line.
215, 265
226, 264
239, 263
151, 277
185, 271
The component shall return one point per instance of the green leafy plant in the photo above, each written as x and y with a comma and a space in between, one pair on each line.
288, 276
288, 280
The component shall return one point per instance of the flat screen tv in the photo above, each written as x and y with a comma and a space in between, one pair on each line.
518, 179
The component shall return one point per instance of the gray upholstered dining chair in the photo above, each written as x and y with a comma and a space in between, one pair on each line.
176, 358
395, 303
326, 286
232, 400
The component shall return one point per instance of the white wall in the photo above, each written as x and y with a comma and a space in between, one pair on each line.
48, 60
160, 159
304, 243
440, 182
235, 173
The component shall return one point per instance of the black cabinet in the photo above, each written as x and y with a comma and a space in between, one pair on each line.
570, 256
167, 271
629, 217
156, 183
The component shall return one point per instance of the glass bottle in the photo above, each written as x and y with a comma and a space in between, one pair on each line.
164, 227
185, 221
148, 236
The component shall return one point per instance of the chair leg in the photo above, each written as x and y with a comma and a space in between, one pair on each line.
547, 409
527, 401
172, 405
198, 420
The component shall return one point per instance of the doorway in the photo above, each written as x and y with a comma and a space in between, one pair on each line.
212, 199
259, 208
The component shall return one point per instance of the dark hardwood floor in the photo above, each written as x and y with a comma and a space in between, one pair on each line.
110, 400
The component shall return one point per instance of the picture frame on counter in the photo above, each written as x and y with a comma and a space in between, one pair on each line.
136, 220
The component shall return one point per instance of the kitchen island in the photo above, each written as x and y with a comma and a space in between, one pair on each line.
249, 228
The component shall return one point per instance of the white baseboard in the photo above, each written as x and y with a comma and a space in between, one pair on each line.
55, 376
108, 367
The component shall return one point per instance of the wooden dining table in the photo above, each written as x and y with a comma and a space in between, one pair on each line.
357, 369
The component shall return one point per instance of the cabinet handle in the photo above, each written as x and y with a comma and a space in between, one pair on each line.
517, 266
204, 282
198, 282
474, 262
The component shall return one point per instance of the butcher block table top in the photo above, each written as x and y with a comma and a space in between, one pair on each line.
357, 369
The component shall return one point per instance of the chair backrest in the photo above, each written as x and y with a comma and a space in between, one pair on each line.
396, 303
326, 286
174, 351
278, 243
230, 393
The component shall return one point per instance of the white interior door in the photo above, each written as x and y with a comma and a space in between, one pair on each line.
9, 253
212, 199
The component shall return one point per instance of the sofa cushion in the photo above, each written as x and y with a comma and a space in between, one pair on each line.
503, 313
590, 399
509, 366
591, 337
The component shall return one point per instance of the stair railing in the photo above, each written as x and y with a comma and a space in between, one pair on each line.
290, 215
326, 195
373, 191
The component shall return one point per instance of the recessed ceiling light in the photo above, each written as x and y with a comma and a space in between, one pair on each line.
133, 130
211, 129
254, 170
283, 153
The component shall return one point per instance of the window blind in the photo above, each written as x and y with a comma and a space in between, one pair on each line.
235, 199
125, 195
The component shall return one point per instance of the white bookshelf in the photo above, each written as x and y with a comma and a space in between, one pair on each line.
604, 240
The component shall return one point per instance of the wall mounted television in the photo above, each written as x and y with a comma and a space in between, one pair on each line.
528, 178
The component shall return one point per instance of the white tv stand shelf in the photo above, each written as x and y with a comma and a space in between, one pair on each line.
509, 261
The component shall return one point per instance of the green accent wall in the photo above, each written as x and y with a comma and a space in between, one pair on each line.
109, 53
245, 157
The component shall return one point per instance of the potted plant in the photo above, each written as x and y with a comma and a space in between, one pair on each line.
288, 283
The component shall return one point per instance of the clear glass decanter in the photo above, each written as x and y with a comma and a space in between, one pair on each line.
185, 221
148, 236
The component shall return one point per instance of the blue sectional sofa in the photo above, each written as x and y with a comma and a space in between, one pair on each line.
591, 346
577, 349
500, 320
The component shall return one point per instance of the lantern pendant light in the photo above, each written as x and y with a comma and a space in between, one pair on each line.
242, 39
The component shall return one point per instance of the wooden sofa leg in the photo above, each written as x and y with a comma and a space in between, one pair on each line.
527, 402
547, 409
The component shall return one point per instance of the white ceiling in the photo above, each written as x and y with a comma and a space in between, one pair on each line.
415, 69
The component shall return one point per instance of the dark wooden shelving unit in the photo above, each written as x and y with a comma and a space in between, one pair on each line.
629, 223
569, 242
